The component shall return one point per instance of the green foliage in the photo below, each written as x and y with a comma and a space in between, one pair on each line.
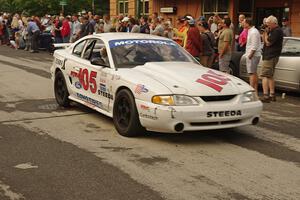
42, 7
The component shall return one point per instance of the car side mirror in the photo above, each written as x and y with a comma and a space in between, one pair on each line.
99, 62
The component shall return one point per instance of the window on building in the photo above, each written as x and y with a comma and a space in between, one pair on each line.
245, 7
211, 7
123, 7
143, 7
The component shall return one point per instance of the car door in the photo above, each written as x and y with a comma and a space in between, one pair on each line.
72, 66
97, 76
287, 71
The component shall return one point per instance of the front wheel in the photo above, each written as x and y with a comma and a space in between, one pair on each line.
61, 90
125, 115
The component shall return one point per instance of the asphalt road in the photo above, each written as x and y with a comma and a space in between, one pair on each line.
51, 153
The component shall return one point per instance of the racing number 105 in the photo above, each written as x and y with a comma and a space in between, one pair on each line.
213, 80
88, 81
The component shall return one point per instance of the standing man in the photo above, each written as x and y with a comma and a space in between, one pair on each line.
76, 26
208, 44
144, 25
86, 28
272, 38
66, 30
225, 46
253, 51
287, 31
107, 24
193, 38
34, 31
238, 31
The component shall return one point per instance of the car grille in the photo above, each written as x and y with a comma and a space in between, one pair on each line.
217, 98
215, 123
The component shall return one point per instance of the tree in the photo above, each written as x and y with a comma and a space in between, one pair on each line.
42, 7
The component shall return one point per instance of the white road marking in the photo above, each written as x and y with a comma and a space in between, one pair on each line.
26, 166
9, 193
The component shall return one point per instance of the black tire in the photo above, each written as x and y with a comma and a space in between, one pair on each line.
125, 115
61, 90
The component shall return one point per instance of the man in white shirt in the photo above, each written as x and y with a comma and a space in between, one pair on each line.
107, 24
253, 52
75, 28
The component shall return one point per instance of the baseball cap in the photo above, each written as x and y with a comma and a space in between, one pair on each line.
125, 19
190, 19
285, 19
201, 18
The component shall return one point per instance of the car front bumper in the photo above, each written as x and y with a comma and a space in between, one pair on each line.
210, 116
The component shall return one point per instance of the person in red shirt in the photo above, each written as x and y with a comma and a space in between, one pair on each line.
66, 30
193, 41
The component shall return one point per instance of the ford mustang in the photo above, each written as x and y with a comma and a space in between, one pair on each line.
150, 83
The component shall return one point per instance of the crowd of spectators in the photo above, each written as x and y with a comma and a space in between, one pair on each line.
199, 36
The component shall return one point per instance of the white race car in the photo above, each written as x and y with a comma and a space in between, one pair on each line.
149, 82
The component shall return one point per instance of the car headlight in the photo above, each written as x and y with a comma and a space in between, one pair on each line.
249, 97
175, 100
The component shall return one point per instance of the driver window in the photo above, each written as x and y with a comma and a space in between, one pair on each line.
77, 51
99, 52
89, 47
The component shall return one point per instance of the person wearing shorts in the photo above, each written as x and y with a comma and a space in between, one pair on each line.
253, 52
272, 38
224, 46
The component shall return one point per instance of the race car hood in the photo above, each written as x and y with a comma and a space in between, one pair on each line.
193, 79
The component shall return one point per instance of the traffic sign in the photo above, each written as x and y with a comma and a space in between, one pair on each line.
63, 3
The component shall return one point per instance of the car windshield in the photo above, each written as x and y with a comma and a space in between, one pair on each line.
129, 53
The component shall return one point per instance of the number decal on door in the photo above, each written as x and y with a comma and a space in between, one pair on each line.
213, 80
88, 81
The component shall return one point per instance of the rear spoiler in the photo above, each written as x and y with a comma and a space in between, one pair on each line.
61, 45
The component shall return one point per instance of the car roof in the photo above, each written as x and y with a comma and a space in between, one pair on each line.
294, 38
118, 36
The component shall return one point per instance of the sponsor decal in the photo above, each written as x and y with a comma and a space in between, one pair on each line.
173, 111
228, 113
213, 80
106, 94
78, 85
102, 87
60, 63
103, 91
144, 107
102, 80
117, 43
74, 74
89, 100
140, 89
87, 79
148, 116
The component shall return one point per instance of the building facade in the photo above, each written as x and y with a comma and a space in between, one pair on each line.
174, 8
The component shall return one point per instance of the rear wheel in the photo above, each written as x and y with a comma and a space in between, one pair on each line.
125, 115
61, 90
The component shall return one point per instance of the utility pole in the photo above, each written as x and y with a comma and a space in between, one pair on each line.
93, 6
